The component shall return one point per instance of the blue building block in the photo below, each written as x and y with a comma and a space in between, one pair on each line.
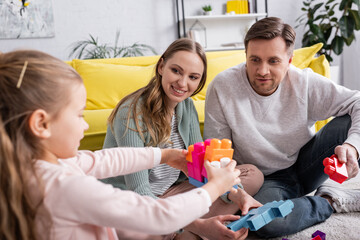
195, 182
259, 217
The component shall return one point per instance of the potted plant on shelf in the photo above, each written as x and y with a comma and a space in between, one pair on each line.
207, 9
332, 23
92, 49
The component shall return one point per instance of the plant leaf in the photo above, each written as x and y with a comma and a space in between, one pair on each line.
355, 15
316, 7
343, 3
349, 40
337, 45
347, 26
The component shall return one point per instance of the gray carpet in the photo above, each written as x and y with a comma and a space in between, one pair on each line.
339, 226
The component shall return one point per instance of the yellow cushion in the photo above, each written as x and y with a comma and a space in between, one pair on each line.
217, 65
321, 66
303, 56
107, 84
217, 54
130, 61
200, 108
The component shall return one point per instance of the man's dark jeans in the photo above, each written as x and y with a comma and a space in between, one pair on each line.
306, 175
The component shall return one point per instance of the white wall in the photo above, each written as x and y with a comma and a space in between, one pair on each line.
152, 22
351, 65
144, 21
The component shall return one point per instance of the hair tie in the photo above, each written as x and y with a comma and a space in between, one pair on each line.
18, 85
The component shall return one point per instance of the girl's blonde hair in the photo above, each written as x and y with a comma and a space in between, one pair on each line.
44, 84
152, 110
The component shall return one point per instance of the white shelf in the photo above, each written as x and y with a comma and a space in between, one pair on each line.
236, 16
223, 29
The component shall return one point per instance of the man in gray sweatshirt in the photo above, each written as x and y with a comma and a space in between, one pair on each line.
267, 107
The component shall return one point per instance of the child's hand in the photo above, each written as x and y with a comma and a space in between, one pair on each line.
175, 158
243, 200
221, 180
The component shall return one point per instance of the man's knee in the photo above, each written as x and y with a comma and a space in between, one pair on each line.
251, 178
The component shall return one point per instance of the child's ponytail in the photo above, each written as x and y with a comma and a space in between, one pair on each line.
17, 212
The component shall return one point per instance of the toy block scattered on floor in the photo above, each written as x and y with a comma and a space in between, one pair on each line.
218, 152
259, 217
319, 234
335, 169
316, 238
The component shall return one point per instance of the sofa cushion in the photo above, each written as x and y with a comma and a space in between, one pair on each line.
94, 136
303, 56
321, 66
107, 84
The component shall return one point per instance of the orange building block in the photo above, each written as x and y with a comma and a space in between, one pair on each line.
189, 154
218, 149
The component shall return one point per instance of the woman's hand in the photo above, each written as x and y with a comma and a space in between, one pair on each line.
175, 158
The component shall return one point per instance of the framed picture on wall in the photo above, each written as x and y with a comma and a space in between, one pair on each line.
26, 19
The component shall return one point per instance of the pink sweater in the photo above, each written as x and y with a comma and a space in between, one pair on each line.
81, 207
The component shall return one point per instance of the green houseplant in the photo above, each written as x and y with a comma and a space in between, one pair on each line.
332, 23
92, 49
207, 9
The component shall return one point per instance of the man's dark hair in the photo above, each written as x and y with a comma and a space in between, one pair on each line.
270, 28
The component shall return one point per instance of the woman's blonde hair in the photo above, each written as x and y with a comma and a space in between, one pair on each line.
152, 110
29, 80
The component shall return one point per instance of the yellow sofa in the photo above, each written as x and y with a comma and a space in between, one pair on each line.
109, 80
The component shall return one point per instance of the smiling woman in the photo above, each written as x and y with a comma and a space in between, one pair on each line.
181, 76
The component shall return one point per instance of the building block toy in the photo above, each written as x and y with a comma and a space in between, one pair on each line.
195, 182
335, 169
316, 238
219, 149
320, 234
259, 217
218, 152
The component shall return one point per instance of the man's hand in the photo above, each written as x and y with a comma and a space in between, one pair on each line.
347, 154
214, 228
243, 200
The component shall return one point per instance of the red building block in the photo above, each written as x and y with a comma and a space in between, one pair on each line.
316, 238
335, 169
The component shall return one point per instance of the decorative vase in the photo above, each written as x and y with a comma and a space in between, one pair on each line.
208, 13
